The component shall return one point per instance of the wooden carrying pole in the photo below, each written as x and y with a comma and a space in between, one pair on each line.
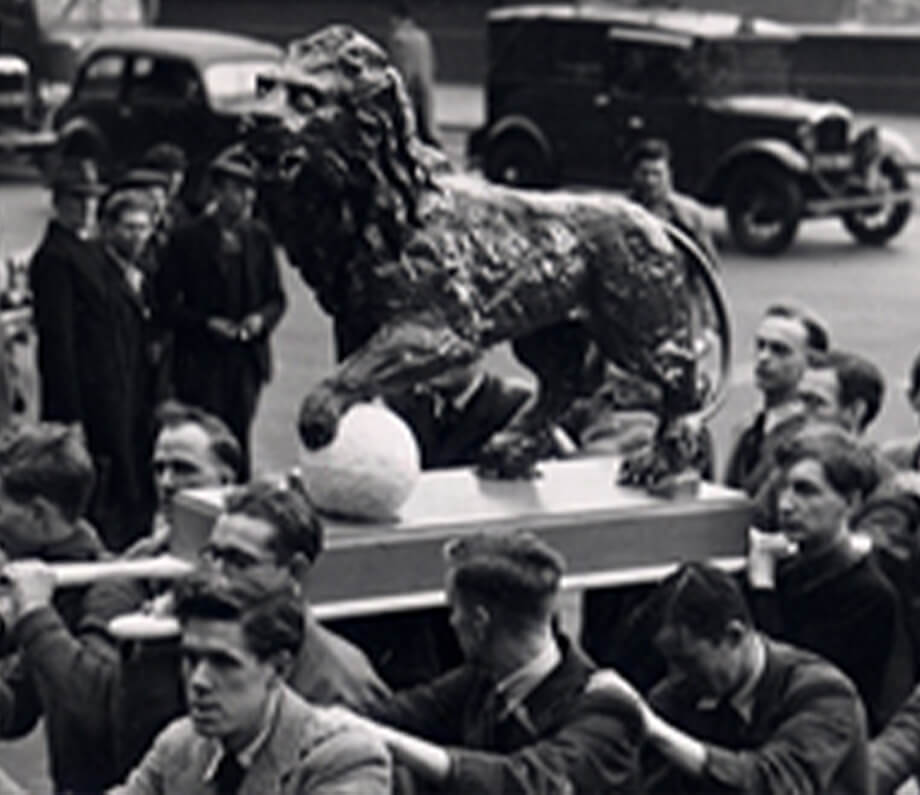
161, 567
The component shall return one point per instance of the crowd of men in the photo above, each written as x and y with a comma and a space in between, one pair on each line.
153, 322
134, 302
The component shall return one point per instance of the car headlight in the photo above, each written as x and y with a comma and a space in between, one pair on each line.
808, 139
53, 93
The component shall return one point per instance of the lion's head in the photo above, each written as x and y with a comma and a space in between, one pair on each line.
343, 163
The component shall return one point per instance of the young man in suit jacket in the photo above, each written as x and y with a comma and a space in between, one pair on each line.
652, 186
246, 731
46, 477
518, 716
783, 340
737, 711
128, 698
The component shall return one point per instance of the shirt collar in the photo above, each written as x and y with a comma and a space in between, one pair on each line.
131, 271
519, 684
404, 24
742, 700
118, 257
805, 572
778, 414
248, 754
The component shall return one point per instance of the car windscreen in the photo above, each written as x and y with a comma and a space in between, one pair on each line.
232, 82
743, 66
88, 13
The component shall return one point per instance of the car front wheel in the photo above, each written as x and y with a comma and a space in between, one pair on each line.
876, 225
518, 161
764, 207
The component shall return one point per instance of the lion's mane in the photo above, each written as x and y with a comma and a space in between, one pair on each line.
349, 199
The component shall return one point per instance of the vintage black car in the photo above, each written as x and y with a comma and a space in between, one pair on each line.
572, 88
22, 113
138, 87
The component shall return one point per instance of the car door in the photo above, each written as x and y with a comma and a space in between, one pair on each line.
166, 102
577, 122
97, 100
652, 95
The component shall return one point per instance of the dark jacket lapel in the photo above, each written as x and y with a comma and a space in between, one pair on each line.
251, 274
79, 253
555, 695
120, 285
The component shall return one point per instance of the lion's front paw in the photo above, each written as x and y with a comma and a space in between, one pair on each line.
510, 455
318, 419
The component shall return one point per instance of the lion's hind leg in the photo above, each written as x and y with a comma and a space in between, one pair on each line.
557, 355
639, 314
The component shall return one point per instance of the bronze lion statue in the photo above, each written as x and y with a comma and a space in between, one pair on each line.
423, 269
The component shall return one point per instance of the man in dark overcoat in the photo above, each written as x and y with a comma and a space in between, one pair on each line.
91, 358
222, 289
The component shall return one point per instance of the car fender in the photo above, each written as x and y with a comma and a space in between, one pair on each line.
770, 149
519, 125
896, 146
80, 126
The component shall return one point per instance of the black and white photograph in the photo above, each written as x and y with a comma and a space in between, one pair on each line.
474, 397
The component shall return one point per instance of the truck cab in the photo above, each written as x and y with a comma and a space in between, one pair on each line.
571, 89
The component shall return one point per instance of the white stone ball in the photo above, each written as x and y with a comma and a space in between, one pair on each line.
368, 470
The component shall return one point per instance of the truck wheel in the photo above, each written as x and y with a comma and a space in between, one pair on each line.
518, 161
764, 207
875, 226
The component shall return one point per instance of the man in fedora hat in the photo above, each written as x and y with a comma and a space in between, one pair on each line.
169, 160
222, 291
63, 261
82, 305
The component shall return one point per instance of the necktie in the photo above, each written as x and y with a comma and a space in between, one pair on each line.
729, 728
483, 732
753, 443
450, 415
230, 775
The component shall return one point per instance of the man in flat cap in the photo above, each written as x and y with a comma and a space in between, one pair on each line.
222, 294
